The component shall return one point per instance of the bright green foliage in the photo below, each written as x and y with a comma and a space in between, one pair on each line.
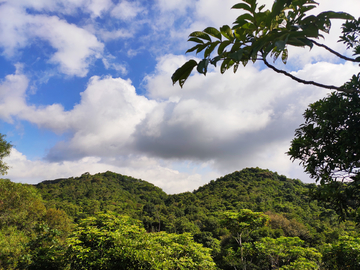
328, 147
83, 196
343, 254
243, 221
257, 34
283, 253
21, 205
5, 148
11, 247
107, 241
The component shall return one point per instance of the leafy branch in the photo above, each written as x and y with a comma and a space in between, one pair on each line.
262, 33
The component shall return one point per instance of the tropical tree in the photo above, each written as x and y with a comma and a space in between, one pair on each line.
328, 147
258, 34
109, 241
243, 222
284, 253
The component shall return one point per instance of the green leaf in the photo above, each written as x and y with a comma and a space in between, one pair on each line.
278, 7
182, 73
335, 15
280, 44
226, 64
193, 48
242, 6
244, 17
202, 66
213, 32
236, 67
227, 32
201, 35
284, 56
223, 45
210, 49
215, 60
197, 40
201, 47
236, 56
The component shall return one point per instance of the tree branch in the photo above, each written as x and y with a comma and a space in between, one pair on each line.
333, 52
308, 82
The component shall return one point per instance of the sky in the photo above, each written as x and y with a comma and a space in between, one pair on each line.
85, 86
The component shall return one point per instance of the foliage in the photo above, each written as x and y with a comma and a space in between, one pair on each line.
83, 196
107, 241
258, 33
328, 147
33, 237
5, 148
21, 205
44, 251
343, 254
284, 253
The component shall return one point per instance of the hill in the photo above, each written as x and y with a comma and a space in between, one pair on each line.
285, 200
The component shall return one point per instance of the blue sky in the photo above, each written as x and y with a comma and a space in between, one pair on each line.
85, 87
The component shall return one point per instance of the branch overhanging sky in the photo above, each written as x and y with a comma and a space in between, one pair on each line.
85, 87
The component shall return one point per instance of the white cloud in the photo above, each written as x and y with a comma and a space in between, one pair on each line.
75, 48
151, 170
125, 10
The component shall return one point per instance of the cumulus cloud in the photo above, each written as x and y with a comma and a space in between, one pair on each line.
175, 138
75, 48
170, 180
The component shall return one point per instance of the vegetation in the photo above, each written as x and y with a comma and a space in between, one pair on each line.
258, 34
253, 219
250, 219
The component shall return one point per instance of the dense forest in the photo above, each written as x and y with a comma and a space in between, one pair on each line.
250, 219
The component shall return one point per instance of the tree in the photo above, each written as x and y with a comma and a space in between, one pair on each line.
109, 241
241, 222
5, 148
258, 34
284, 253
328, 147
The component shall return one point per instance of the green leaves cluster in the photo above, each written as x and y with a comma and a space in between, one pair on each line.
109, 241
257, 33
328, 147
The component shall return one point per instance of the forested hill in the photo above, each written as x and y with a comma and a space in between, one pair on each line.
285, 200
88, 194
41, 225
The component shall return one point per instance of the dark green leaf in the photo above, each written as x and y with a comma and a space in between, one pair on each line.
245, 17
236, 56
280, 44
223, 45
182, 73
215, 60
197, 40
211, 47
278, 7
201, 35
213, 32
335, 15
193, 48
202, 66
242, 6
